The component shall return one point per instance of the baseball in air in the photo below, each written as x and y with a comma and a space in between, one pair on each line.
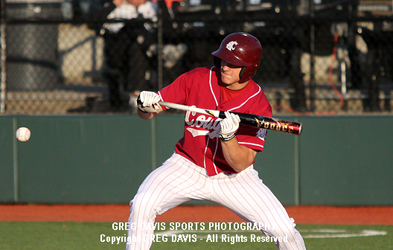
23, 134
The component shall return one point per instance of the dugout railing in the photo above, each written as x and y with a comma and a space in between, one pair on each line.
319, 57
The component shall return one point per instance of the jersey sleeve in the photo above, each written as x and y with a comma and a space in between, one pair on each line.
177, 91
252, 137
187, 87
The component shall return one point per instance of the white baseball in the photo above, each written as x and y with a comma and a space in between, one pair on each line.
23, 134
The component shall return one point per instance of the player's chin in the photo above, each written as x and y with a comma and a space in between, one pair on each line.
227, 80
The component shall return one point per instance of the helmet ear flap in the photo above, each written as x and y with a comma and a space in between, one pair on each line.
242, 72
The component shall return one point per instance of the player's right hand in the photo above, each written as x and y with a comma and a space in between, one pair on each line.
229, 126
148, 102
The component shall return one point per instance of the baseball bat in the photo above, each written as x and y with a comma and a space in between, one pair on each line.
258, 121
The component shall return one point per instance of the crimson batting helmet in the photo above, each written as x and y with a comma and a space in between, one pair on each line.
240, 49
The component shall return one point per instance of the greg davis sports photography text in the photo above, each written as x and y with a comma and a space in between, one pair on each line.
209, 232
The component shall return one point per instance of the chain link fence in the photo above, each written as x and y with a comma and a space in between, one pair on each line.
319, 57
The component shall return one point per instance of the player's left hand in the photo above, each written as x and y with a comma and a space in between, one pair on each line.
229, 126
148, 102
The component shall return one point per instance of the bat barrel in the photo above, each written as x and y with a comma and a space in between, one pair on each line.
294, 128
269, 123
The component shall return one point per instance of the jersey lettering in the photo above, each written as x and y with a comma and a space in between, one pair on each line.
199, 121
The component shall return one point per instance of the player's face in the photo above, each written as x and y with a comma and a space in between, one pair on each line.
230, 74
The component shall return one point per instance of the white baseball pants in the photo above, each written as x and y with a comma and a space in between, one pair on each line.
178, 180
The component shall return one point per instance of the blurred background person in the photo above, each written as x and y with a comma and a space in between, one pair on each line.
128, 67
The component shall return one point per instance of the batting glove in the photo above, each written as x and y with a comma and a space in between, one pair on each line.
229, 126
148, 102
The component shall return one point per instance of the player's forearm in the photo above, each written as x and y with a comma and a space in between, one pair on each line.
238, 157
148, 116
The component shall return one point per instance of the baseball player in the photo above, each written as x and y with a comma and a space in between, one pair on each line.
214, 159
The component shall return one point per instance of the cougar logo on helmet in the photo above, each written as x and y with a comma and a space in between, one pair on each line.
231, 45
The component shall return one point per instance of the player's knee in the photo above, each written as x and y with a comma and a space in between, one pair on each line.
142, 204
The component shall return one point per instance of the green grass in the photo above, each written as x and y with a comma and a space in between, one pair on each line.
72, 235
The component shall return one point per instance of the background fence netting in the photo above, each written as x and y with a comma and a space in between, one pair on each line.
319, 57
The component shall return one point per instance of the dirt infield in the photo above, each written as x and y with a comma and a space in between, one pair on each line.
112, 213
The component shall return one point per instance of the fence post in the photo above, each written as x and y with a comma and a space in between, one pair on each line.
312, 56
160, 47
3, 58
